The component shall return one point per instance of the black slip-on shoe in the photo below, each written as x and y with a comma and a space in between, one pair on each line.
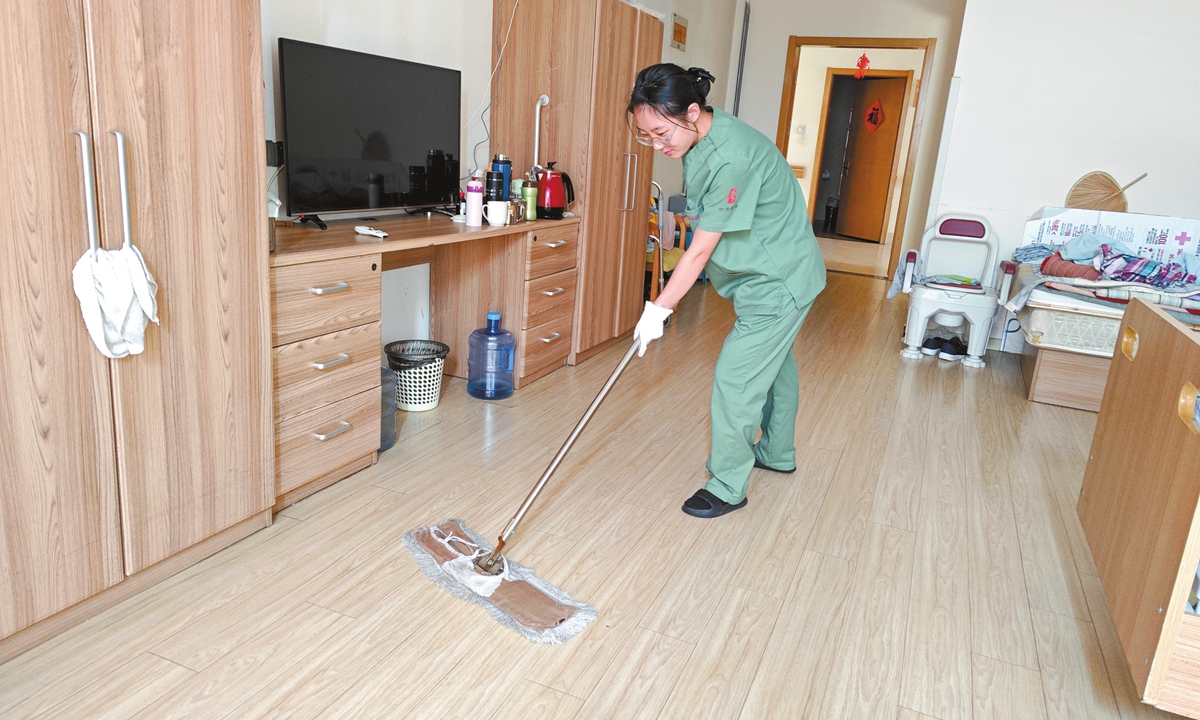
953, 350
758, 464
932, 346
706, 505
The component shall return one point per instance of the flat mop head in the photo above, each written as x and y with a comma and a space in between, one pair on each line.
515, 597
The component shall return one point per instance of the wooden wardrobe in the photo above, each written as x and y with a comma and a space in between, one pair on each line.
584, 55
118, 472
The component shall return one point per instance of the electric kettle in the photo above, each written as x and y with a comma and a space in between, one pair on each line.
555, 192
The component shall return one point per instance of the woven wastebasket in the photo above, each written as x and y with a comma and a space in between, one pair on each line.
418, 365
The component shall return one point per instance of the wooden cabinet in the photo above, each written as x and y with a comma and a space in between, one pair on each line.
549, 302
588, 73
325, 321
112, 466
1139, 500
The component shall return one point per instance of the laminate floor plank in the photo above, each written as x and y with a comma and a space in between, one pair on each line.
866, 676
771, 560
639, 679
798, 660
1003, 691
120, 694
1074, 677
937, 645
529, 701
719, 671
1001, 625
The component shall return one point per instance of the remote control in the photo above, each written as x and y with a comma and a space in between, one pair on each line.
368, 230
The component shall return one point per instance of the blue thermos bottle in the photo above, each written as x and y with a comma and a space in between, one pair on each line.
502, 165
490, 361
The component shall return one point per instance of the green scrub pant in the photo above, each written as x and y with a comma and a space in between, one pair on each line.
755, 385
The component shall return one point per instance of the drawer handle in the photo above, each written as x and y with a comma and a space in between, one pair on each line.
553, 336
339, 360
330, 289
555, 291
556, 244
332, 433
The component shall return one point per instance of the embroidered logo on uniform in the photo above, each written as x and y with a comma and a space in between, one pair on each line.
732, 196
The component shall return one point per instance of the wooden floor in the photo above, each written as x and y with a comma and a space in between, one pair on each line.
924, 562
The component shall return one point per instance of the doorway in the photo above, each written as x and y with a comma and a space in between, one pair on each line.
843, 160
858, 151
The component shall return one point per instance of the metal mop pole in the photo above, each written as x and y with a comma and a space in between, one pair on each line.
489, 564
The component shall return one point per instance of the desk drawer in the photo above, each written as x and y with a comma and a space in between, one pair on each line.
325, 369
303, 456
551, 251
549, 298
544, 346
321, 297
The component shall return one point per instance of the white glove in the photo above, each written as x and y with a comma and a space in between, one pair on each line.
650, 327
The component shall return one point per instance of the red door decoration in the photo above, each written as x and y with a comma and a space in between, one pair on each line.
863, 64
874, 117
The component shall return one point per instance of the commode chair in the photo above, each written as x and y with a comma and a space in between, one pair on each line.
955, 245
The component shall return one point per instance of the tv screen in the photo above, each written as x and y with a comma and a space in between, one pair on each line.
362, 132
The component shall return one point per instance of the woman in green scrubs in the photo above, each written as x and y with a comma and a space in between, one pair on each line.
753, 237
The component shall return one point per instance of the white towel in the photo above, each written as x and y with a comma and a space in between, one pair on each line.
116, 294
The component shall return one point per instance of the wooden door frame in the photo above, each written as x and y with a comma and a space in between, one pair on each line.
782, 134
830, 74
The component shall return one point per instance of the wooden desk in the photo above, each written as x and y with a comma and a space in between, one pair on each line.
325, 311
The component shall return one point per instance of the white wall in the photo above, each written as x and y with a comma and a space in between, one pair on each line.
710, 31
449, 33
773, 21
1051, 91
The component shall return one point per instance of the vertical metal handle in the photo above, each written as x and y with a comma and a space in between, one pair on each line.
625, 201
123, 174
633, 204
89, 190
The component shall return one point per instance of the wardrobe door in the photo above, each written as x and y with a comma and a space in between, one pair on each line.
59, 528
609, 176
183, 81
631, 289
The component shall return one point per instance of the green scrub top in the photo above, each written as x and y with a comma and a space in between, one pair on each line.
740, 185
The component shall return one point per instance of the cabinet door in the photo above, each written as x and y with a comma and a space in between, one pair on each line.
609, 175
183, 81
59, 532
631, 290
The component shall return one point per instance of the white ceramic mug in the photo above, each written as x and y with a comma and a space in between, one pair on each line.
496, 212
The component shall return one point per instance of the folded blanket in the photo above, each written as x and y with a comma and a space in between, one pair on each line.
1031, 253
1056, 266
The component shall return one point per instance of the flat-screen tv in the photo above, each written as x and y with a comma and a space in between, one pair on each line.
363, 132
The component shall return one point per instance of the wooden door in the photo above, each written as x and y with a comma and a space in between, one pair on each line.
183, 81
59, 527
1141, 487
871, 159
631, 290
609, 179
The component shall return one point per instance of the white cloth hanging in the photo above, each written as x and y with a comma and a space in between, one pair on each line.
116, 294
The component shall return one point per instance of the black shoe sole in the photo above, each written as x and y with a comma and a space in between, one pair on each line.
760, 466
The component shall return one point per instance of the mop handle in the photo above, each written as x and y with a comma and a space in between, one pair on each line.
566, 447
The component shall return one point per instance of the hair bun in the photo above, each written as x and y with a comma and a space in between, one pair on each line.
702, 74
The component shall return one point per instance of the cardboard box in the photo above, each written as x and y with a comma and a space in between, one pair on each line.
1151, 236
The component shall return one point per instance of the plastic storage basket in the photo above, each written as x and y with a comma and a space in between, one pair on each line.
418, 365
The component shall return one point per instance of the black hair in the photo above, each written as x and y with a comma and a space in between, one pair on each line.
670, 90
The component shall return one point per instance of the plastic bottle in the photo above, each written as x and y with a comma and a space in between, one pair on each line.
491, 360
474, 210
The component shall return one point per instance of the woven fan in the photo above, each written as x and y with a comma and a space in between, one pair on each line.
1099, 191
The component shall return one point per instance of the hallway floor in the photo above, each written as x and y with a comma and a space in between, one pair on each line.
924, 562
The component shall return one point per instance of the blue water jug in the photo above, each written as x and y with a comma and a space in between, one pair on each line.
491, 360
